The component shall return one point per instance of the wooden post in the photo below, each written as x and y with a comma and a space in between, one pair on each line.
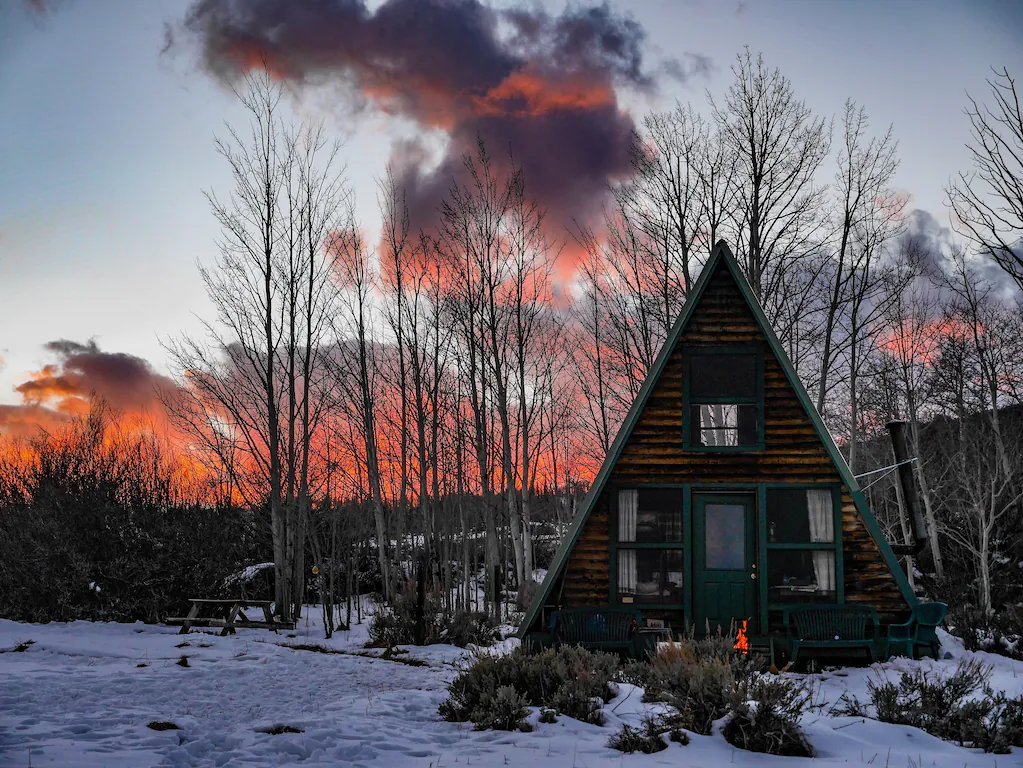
187, 623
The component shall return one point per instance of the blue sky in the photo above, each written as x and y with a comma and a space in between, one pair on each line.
106, 144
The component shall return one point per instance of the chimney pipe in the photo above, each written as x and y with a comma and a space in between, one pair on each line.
907, 480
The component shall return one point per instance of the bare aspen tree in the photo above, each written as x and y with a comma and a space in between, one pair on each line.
979, 357
438, 393
321, 191
873, 286
354, 276
666, 197
987, 203
234, 399
717, 190
425, 352
469, 233
595, 373
635, 320
778, 146
975, 312
530, 295
396, 246
488, 201
867, 213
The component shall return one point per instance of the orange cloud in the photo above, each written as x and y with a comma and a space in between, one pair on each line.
922, 343
82, 371
527, 92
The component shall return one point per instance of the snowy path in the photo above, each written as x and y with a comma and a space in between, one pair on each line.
77, 697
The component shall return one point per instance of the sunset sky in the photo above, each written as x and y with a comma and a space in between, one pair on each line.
108, 110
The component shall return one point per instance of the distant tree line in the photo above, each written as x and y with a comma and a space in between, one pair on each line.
97, 522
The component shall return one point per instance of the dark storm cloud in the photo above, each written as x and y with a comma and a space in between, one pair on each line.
540, 86
1002, 282
931, 242
64, 388
81, 370
927, 239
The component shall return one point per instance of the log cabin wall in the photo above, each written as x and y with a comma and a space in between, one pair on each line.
793, 454
587, 580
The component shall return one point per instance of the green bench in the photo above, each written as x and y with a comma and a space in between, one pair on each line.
601, 629
831, 627
919, 633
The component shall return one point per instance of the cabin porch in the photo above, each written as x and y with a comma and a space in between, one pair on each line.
837, 633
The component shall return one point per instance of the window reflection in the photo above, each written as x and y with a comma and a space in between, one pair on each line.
651, 576
801, 575
800, 516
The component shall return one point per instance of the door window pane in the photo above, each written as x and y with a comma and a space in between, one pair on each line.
801, 575
650, 576
725, 536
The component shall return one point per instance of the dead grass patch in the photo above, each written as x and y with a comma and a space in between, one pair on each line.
411, 661
20, 647
163, 725
277, 730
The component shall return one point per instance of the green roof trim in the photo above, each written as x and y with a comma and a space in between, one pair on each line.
720, 256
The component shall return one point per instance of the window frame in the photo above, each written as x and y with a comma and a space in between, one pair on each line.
835, 546
757, 399
683, 546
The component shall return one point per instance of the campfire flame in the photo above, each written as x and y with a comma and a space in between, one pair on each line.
741, 640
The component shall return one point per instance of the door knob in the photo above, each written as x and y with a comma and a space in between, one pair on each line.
753, 576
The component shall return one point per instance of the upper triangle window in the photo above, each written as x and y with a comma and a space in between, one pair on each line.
724, 400
715, 376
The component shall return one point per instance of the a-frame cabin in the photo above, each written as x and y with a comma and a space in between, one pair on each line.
724, 497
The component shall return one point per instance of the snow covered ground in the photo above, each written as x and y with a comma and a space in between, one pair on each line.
82, 694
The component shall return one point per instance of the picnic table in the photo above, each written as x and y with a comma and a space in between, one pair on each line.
228, 613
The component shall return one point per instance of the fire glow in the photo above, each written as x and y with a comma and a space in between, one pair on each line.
741, 639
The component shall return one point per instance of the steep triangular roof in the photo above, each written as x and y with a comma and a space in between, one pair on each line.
720, 256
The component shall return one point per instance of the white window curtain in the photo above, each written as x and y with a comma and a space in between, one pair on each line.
822, 516
822, 531
628, 507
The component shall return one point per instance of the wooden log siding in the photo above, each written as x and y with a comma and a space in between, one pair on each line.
794, 454
587, 571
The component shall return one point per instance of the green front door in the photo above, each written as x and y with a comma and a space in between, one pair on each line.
725, 571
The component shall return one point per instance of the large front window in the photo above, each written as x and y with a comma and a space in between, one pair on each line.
723, 400
649, 546
801, 545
